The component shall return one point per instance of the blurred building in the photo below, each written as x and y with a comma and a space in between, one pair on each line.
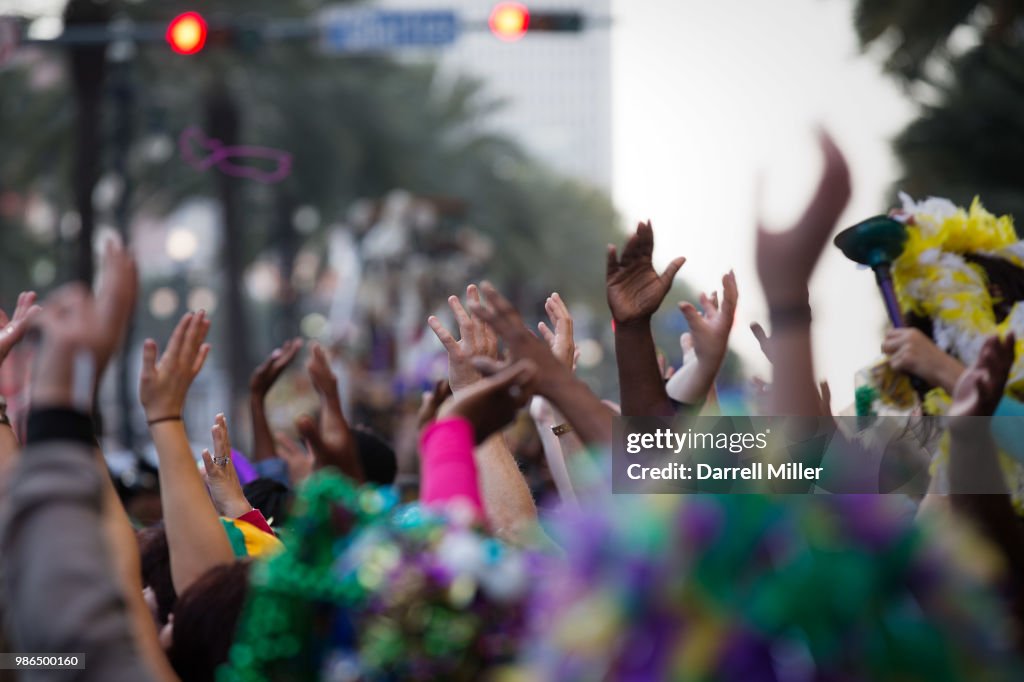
556, 86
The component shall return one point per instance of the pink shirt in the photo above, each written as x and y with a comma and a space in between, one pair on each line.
449, 470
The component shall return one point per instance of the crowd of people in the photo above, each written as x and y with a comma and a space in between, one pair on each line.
314, 565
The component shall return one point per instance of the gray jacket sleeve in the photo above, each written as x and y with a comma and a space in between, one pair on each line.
60, 591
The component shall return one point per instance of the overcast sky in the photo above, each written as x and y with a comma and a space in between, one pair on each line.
709, 92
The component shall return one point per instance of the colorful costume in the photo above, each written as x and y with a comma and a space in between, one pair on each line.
936, 278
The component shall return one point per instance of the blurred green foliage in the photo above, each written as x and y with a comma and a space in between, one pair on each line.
357, 127
964, 61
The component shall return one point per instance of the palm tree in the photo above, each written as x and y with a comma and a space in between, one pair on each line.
357, 127
920, 30
969, 140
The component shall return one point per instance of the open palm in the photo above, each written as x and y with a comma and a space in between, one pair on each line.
12, 330
710, 331
635, 289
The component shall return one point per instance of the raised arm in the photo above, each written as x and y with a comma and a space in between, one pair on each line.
260, 383
590, 418
635, 292
785, 262
473, 416
116, 295
12, 331
79, 336
221, 476
977, 487
506, 496
709, 334
195, 537
331, 441
556, 436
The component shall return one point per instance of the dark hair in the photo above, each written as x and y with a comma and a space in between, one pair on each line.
205, 619
380, 465
1005, 282
271, 497
155, 562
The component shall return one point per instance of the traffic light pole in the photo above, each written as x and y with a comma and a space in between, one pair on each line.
223, 121
275, 30
89, 32
124, 111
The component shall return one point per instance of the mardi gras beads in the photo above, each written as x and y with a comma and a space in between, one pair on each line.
749, 587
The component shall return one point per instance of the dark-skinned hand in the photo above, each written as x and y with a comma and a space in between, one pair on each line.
492, 403
635, 289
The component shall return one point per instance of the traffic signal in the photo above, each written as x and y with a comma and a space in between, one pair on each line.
510, 21
186, 34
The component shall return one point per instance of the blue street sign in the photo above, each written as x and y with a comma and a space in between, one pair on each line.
355, 30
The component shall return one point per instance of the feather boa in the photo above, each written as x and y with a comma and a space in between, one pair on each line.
935, 280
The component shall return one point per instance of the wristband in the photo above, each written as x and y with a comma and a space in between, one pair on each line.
158, 420
789, 316
59, 423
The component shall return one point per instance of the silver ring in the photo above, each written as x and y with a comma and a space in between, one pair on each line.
221, 461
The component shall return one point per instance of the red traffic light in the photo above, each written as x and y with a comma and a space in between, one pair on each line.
186, 33
510, 21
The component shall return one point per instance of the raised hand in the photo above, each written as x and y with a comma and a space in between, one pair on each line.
635, 290
164, 384
977, 484
262, 379
194, 534
492, 403
553, 380
70, 336
81, 322
318, 366
499, 314
12, 329
476, 338
785, 260
561, 339
299, 460
980, 388
264, 376
115, 297
221, 476
331, 441
710, 331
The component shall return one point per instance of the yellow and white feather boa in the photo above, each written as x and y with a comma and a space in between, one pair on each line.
933, 279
